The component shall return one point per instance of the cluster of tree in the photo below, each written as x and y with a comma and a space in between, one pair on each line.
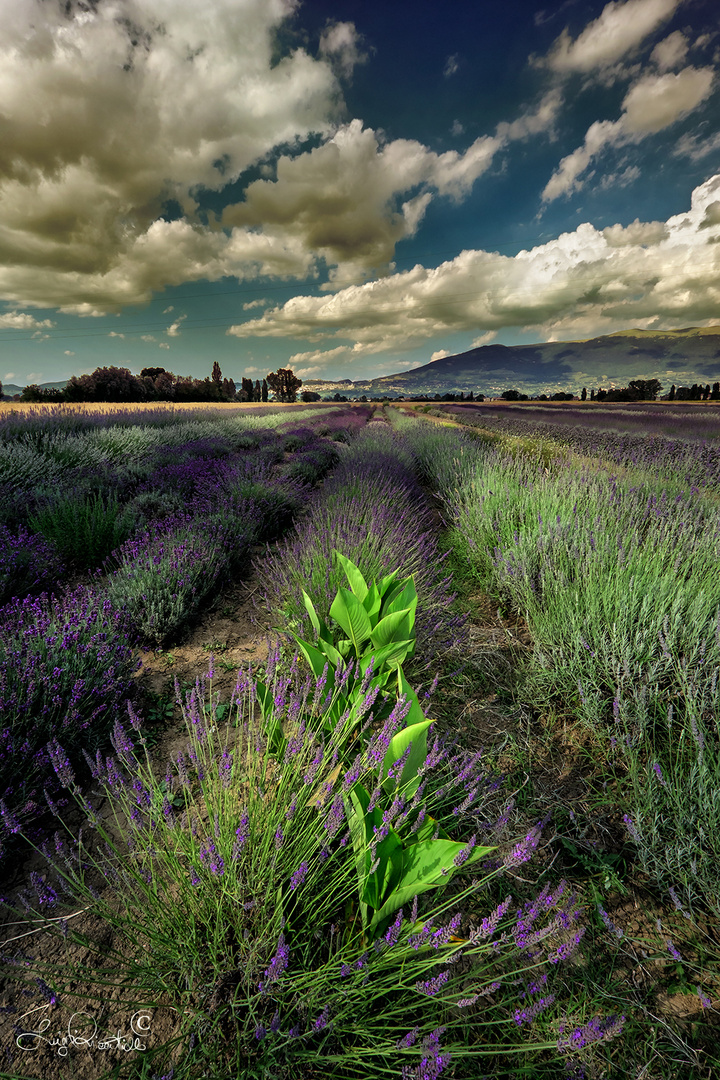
636, 390
152, 384
157, 384
695, 393
250, 391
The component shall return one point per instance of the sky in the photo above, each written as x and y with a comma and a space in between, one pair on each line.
350, 188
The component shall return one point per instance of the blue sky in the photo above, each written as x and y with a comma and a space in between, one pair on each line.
349, 188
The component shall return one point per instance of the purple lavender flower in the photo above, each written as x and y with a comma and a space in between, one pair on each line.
595, 1030
393, 932
530, 1012
10, 820
299, 876
464, 855
609, 923
278, 965
322, 1021
211, 857
61, 764
432, 986
672, 950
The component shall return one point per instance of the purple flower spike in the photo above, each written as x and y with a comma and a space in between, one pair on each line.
61, 764
299, 876
278, 965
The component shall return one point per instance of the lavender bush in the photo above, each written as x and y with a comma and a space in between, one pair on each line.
28, 564
619, 587
231, 888
84, 530
165, 574
65, 670
373, 509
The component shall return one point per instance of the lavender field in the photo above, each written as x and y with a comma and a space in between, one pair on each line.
329, 873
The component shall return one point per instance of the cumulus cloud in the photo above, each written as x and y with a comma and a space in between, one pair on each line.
341, 44
671, 51
68, 352
439, 354
109, 110
112, 111
620, 29
582, 283
20, 320
652, 104
8, 376
343, 200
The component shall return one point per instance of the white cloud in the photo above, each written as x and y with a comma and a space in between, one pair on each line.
439, 354
8, 376
619, 29
167, 310
582, 283
251, 370
671, 51
318, 359
20, 320
148, 337
114, 333
174, 329
110, 110
341, 44
483, 339
68, 352
695, 147
452, 66
636, 234
255, 304
341, 200
657, 101
34, 376
163, 345
652, 104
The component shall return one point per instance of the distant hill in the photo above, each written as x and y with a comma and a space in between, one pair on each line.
9, 389
673, 356
682, 357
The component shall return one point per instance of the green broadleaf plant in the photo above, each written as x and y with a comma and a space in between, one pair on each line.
377, 623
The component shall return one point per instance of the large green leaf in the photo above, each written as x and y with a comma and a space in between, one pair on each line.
355, 579
416, 715
372, 603
385, 583
330, 652
273, 727
407, 598
424, 866
415, 734
316, 659
348, 611
392, 655
393, 627
310, 608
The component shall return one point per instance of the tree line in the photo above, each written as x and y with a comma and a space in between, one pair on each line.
113, 384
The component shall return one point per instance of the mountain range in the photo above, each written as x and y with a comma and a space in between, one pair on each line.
682, 357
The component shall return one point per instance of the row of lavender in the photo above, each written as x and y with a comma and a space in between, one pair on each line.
680, 443
308, 885
618, 583
167, 512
